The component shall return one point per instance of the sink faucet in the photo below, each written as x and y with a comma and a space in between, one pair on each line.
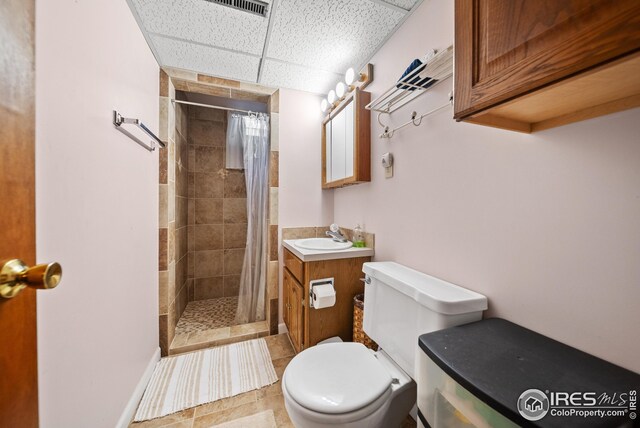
335, 234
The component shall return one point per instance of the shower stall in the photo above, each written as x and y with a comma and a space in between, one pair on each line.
215, 259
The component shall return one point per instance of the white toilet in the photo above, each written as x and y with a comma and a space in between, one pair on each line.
348, 385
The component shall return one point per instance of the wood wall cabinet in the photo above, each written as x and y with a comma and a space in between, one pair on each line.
346, 142
531, 65
307, 326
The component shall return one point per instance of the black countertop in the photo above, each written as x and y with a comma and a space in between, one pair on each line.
497, 361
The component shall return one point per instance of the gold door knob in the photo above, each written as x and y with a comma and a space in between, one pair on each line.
15, 276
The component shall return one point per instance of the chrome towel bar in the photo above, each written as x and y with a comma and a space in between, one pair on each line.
119, 120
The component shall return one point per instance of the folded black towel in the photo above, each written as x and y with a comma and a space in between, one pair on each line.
417, 80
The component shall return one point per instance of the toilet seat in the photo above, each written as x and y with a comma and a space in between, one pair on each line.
337, 378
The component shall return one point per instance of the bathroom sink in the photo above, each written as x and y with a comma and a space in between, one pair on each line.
322, 244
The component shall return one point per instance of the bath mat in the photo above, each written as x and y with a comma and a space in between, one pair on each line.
201, 377
264, 419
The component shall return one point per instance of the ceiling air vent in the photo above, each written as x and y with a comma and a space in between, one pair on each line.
256, 7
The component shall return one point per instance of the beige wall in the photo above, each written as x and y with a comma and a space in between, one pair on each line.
547, 225
96, 206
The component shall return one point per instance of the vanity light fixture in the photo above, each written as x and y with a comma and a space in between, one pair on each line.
341, 90
350, 77
332, 98
324, 105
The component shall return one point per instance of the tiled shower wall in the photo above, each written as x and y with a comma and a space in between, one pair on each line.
173, 189
206, 261
217, 209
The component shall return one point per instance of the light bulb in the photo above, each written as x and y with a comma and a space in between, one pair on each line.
324, 105
332, 96
341, 89
349, 76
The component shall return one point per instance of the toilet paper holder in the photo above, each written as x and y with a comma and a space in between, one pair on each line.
313, 298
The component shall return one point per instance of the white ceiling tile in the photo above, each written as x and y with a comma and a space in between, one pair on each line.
205, 22
284, 75
205, 59
405, 4
330, 35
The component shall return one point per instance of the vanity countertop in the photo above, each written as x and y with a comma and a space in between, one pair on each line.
316, 255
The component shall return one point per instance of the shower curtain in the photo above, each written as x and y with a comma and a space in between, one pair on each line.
254, 133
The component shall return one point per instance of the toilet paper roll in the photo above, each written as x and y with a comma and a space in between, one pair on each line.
324, 296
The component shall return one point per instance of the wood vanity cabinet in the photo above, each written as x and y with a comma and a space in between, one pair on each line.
531, 65
308, 326
346, 142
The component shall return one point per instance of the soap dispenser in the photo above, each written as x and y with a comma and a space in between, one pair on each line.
358, 237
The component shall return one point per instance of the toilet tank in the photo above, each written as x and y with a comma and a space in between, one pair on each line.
400, 304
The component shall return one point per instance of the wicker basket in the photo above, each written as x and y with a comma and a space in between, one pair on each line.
358, 318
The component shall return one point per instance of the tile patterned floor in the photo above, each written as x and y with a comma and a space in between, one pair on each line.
249, 403
208, 314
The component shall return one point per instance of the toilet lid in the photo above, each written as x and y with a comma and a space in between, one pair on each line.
336, 378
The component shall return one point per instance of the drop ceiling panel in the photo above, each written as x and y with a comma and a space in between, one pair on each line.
206, 59
329, 35
284, 75
205, 22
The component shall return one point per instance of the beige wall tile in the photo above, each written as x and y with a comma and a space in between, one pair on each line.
162, 165
190, 265
275, 132
182, 211
208, 211
235, 184
235, 235
235, 210
163, 248
274, 103
218, 81
191, 211
208, 263
208, 185
273, 205
171, 242
208, 132
274, 168
273, 242
204, 113
163, 120
298, 232
216, 91
208, 237
208, 159
208, 288
272, 279
163, 297
171, 159
181, 243
191, 177
233, 260
231, 285
171, 201
163, 205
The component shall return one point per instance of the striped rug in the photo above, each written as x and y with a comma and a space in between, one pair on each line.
201, 377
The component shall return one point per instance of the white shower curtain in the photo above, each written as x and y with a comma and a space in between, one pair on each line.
254, 133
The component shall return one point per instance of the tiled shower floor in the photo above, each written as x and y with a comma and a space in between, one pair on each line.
202, 315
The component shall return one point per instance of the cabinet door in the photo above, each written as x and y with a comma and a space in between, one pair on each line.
349, 141
286, 293
508, 48
297, 315
338, 141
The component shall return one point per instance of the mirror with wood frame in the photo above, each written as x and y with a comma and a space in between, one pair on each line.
346, 142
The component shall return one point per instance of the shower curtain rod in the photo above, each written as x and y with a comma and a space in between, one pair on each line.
212, 106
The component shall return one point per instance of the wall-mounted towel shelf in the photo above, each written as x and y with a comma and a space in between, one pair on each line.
416, 83
119, 120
